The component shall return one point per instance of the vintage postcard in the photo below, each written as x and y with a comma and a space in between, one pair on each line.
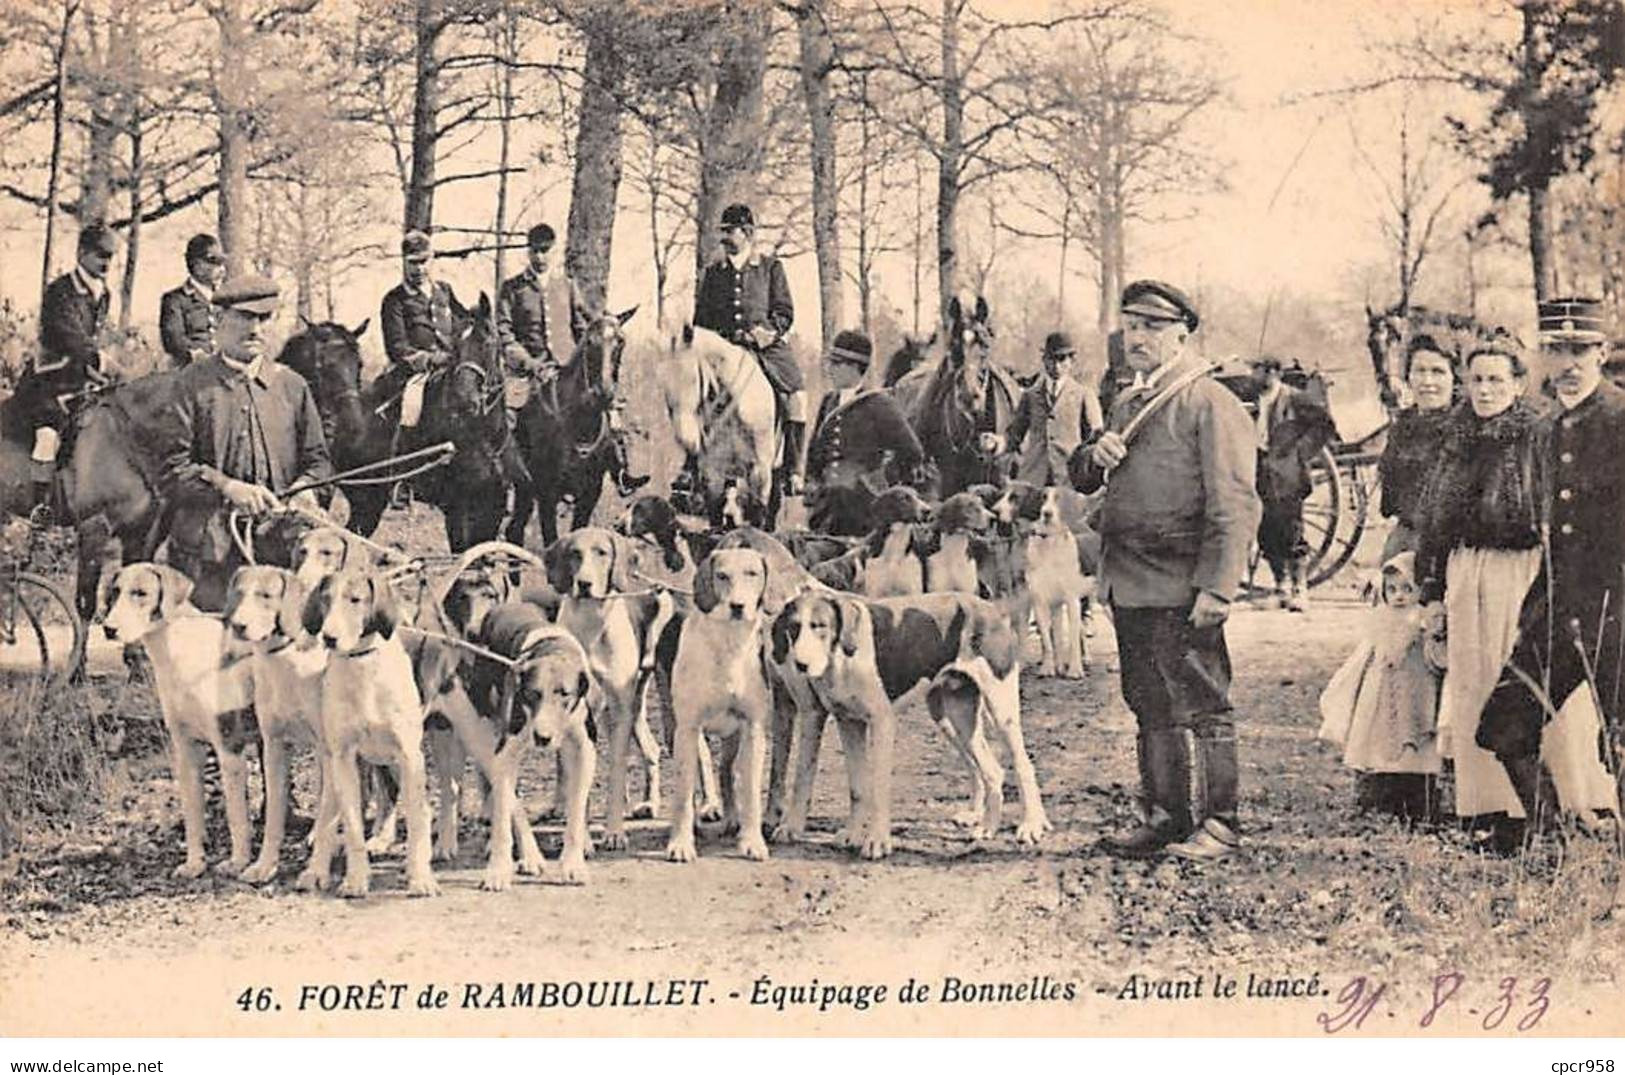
912, 518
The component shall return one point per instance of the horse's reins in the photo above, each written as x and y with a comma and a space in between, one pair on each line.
437, 455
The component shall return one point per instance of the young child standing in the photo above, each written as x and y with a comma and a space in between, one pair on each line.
1381, 706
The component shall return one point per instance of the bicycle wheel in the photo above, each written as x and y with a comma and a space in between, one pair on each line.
40, 633
1345, 527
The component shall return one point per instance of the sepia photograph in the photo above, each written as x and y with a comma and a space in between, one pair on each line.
787, 518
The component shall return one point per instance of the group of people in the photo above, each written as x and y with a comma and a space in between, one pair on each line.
1496, 645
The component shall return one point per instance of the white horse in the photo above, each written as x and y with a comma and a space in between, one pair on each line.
722, 410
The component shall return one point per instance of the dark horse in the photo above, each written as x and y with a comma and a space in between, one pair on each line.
462, 403
564, 430
961, 404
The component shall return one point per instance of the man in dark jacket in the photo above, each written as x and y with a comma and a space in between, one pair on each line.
248, 432
861, 443
1292, 431
419, 321
187, 316
70, 324
745, 298
1179, 516
1569, 636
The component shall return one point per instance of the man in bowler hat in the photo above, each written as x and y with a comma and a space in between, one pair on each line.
1055, 415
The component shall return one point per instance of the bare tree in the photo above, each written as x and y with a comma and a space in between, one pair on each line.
817, 66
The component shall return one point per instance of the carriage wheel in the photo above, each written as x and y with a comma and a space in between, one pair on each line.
1334, 517
40, 632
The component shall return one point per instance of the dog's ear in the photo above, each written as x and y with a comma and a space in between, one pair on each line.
781, 634
106, 593
234, 593
386, 614
173, 590
457, 606
852, 620
301, 553
505, 706
776, 589
875, 541
705, 585
290, 611
556, 557
626, 564
317, 606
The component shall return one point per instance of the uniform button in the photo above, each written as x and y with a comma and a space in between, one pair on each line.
1566, 457
1565, 494
1566, 528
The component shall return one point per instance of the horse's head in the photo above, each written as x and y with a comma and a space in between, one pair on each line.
328, 356
600, 344
908, 356
474, 384
970, 348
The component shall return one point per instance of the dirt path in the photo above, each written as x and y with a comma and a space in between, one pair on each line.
99, 936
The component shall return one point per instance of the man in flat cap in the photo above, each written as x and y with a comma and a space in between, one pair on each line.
528, 347
72, 316
745, 297
247, 432
1292, 430
419, 320
187, 314
1570, 624
1179, 517
1054, 417
861, 444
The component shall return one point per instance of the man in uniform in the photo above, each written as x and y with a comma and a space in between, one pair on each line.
419, 320
1179, 516
248, 431
1292, 430
187, 315
528, 350
1054, 417
861, 444
1569, 629
70, 324
744, 297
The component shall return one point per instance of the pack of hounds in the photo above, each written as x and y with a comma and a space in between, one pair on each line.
752, 637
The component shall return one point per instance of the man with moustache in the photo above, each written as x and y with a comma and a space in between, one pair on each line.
1179, 516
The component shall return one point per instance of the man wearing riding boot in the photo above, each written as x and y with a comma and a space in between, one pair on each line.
1053, 417
745, 298
70, 324
249, 431
187, 316
1179, 516
861, 443
1569, 628
527, 347
1291, 430
418, 319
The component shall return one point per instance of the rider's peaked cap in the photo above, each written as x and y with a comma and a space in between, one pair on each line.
415, 246
852, 347
738, 216
100, 238
1579, 320
251, 294
1160, 302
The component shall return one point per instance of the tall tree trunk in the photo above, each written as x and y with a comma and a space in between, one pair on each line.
1060, 269
231, 106
425, 118
58, 103
596, 184
1110, 284
865, 285
1542, 254
919, 241
817, 58
96, 174
948, 160
731, 161
305, 271
132, 253
508, 49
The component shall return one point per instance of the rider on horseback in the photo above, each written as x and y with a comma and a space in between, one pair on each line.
745, 298
419, 318
528, 352
69, 362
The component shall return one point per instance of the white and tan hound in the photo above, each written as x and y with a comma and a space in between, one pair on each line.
205, 694
371, 709
1060, 554
719, 684
861, 656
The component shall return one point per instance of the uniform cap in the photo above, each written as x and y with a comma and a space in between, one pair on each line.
1577, 320
415, 246
100, 238
1159, 301
738, 216
852, 347
251, 294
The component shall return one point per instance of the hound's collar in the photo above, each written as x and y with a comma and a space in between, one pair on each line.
369, 651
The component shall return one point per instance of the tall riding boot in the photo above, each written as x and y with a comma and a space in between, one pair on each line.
795, 435
1217, 790
685, 486
626, 483
1536, 793
1164, 795
1298, 596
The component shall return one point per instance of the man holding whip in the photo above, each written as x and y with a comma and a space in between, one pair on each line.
1177, 458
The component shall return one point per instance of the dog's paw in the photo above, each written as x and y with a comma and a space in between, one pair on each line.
422, 884
573, 871
753, 847
355, 886
1032, 829
614, 841
191, 869
876, 847
680, 851
496, 878
549, 813
380, 843
232, 867
445, 850
710, 812
311, 880
1045, 669
968, 819
530, 866
848, 836
259, 873
644, 811
786, 833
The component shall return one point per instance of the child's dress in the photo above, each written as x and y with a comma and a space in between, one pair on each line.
1381, 705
